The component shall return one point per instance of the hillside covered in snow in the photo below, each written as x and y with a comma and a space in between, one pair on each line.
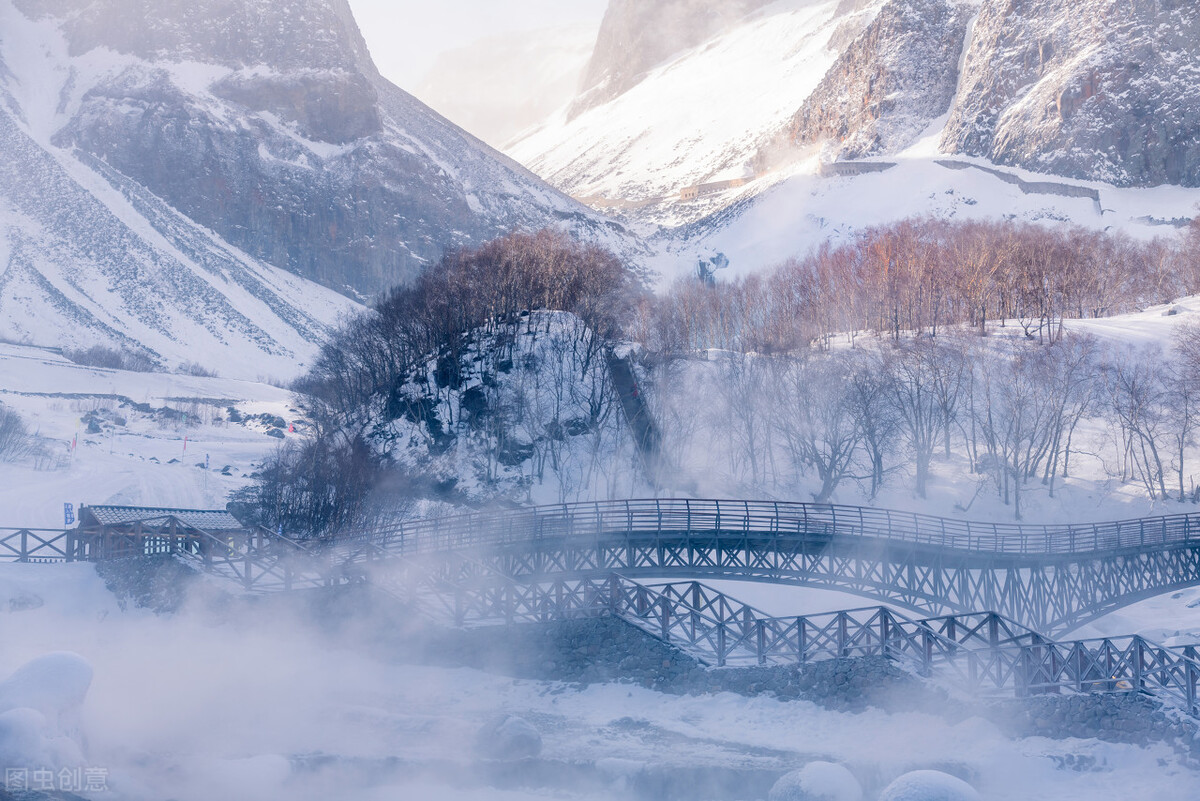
773, 127
208, 184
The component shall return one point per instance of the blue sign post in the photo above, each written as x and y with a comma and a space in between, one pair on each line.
68, 514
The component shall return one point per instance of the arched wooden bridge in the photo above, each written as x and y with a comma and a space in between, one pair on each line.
1049, 578
993, 594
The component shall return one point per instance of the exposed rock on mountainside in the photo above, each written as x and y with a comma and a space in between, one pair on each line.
268, 124
1104, 89
690, 127
885, 88
85, 263
637, 35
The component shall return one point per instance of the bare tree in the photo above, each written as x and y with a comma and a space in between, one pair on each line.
817, 420
1137, 397
876, 417
1182, 374
911, 369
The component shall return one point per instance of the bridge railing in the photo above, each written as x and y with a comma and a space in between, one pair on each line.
33, 545
697, 517
778, 519
982, 651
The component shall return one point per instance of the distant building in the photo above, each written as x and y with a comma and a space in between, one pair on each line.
693, 192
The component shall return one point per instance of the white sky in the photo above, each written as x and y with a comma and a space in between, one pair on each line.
405, 36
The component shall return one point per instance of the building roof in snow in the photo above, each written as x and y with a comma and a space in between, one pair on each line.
207, 519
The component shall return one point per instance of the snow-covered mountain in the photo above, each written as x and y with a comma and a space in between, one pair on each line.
172, 171
740, 125
704, 113
89, 257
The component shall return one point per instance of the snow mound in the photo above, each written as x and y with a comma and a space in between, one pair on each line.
39, 711
54, 684
817, 781
929, 785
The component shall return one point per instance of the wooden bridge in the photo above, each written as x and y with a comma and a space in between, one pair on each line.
1049, 578
1031, 582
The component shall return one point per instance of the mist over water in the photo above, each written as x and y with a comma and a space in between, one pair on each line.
326, 696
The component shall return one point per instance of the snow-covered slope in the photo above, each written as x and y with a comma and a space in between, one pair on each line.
786, 214
171, 173
140, 438
706, 112
85, 262
760, 108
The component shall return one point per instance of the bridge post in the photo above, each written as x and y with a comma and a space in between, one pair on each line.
760, 641
885, 634
1190, 676
1080, 666
24, 554
1139, 662
721, 644
842, 639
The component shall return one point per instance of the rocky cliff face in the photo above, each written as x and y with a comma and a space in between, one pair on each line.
637, 35
1101, 89
267, 123
895, 77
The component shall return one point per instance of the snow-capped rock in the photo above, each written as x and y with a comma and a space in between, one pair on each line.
508, 737
899, 75
928, 785
817, 781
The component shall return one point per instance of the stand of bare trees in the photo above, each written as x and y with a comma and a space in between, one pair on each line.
1004, 409
920, 276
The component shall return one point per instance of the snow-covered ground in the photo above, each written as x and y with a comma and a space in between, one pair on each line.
202, 706
139, 456
788, 213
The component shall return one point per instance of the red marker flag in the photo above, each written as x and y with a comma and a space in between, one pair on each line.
185, 436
